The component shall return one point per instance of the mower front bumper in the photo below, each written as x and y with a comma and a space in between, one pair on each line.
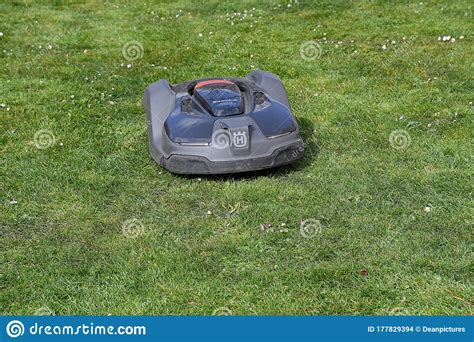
189, 164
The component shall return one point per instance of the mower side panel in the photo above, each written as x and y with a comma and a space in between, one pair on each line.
270, 84
159, 101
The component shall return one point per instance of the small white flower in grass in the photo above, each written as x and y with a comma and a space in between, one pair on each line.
461, 37
1, 34
427, 209
13, 202
72, 96
129, 66
384, 47
453, 40
200, 34
209, 212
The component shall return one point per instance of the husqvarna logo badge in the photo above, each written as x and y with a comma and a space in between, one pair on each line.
240, 139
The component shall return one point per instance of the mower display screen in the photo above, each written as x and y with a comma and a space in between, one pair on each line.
219, 98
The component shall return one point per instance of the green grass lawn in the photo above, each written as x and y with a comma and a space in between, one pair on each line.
91, 225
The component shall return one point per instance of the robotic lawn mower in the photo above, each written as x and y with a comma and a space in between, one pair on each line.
221, 125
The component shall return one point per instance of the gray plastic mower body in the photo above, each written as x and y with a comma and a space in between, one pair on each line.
221, 125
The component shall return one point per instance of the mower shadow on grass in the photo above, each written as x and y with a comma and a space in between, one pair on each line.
311, 150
